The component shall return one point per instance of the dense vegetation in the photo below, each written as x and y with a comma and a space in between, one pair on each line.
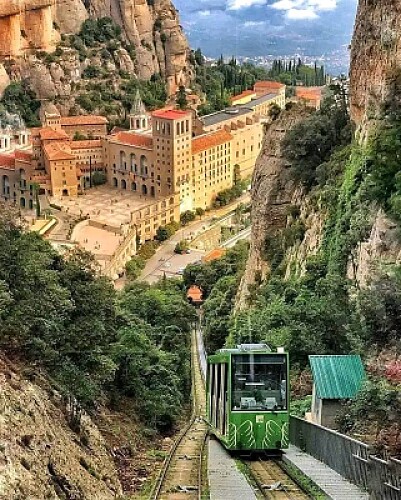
95, 343
19, 99
220, 81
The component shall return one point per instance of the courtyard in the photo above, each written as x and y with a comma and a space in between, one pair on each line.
104, 204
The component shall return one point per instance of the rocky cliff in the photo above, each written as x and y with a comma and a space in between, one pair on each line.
272, 194
47, 450
375, 92
152, 29
375, 59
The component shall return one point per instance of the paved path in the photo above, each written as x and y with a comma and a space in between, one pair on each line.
334, 485
225, 480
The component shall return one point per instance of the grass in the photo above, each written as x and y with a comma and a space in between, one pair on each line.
304, 482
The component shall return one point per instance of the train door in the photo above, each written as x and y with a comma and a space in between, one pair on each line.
223, 399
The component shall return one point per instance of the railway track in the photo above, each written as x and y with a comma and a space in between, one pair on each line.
181, 476
273, 482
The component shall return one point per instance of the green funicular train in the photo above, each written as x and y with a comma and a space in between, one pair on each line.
248, 397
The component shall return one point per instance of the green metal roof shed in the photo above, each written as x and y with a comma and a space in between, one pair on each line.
337, 377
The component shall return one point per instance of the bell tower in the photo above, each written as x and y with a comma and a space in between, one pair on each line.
138, 118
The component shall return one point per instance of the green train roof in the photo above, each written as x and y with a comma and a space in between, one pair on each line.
337, 377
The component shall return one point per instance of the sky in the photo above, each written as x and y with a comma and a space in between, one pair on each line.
268, 27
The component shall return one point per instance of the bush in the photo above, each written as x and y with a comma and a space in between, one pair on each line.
134, 267
187, 217
181, 247
99, 178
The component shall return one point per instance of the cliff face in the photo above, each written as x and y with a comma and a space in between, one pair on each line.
152, 28
272, 194
375, 58
40, 455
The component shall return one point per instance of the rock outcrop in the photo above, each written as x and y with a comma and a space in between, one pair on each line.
154, 29
375, 58
272, 194
151, 28
41, 456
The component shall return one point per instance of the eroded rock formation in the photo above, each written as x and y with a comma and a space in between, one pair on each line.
272, 194
41, 456
375, 58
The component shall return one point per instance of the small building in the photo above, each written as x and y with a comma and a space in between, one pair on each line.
195, 295
335, 379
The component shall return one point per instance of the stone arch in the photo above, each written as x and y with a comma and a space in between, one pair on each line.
123, 184
115, 182
133, 186
65, 192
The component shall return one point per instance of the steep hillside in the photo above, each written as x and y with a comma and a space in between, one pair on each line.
47, 449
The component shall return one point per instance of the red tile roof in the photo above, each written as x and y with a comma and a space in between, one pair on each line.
49, 134
207, 141
7, 161
56, 152
214, 255
170, 114
83, 120
86, 144
131, 139
194, 294
268, 85
309, 92
23, 155
246, 93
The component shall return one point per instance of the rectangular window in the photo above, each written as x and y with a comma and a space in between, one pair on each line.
259, 382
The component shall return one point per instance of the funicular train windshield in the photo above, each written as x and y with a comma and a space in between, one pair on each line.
259, 382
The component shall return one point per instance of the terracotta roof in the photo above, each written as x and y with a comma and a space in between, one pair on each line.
194, 293
204, 142
49, 134
246, 93
170, 114
131, 139
268, 84
86, 144
214, 255
56, 152
309, 92
7, 161
83, 120
23, 155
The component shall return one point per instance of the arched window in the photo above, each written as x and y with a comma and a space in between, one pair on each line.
123, 184
144, 165
115, 182
22, 202
133, 186
152, 191
30, 204
133, 162
6, 185
144, 189
123, 160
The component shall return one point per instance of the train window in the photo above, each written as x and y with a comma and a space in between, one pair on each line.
259, 382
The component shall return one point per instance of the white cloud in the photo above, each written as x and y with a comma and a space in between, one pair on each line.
299, 14
243, 4
304, 9
252, 24
204, 13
